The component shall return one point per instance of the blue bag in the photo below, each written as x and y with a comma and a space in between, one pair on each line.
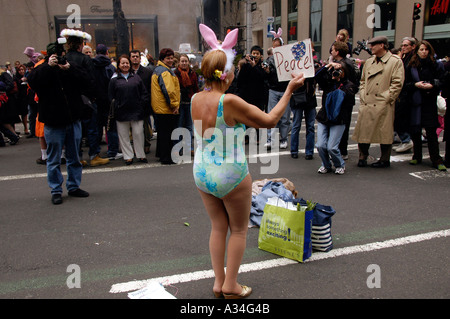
334, 103
321, 237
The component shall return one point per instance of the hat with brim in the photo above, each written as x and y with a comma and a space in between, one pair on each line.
378, 40
76, 33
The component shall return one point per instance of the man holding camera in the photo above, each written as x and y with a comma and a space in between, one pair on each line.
380, 86
59, 85
251, 77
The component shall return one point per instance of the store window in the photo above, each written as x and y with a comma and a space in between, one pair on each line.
346, 10
316, 25
388, 9
437, 25
292, 20
277, 14
143, 33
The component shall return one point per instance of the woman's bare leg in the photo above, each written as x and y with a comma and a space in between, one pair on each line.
218, 237
238, 205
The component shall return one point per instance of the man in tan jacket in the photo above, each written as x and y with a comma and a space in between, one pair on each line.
381, 83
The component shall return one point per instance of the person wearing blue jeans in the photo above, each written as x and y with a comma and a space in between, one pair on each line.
328, 139
285, 122
303, 104
338, 104
59, 86
276, 92
69, 138
310, 119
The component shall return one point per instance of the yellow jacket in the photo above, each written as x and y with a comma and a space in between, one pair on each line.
166, 95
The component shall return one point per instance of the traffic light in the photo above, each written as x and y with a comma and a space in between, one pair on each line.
417, 11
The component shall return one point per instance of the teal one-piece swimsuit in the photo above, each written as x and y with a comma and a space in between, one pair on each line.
220, 164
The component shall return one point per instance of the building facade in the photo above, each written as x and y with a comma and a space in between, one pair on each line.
321, 20
158, 24
152, 25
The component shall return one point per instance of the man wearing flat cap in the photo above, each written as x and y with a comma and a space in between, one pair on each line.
381, 83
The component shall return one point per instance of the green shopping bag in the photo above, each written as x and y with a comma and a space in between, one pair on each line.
286, 230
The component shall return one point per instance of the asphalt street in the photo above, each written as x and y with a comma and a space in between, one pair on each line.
147, 221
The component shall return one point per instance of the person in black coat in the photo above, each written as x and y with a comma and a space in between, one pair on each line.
89, 120
423, 81
131, 100
103, 72
59, 88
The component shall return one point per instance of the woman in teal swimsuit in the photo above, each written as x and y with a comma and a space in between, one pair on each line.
221, 171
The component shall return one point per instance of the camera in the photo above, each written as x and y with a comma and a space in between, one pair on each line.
60, 50
62, 60
265, 64
362, 45
336, 73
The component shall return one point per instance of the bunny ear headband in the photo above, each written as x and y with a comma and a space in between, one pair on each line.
227, 45
278, 35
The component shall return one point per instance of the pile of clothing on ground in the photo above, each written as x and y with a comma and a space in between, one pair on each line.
284, 189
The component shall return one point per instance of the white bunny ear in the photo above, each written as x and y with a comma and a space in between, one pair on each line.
209, 36
273, 33
230, 40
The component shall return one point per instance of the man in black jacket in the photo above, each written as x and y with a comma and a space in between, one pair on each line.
89, 116
103, 72
59, 88
146, 76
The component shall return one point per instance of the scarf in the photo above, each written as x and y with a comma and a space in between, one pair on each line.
185, 78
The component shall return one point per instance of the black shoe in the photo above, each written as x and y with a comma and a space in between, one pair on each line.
15, 141
40, 161
79, 193
362, 163
129, 162
143, 160
309, 157
381, 164
294, 155
57, 199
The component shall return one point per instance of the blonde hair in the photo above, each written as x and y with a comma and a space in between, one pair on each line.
344, 32
212, 61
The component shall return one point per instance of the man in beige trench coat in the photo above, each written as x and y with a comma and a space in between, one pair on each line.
381, 83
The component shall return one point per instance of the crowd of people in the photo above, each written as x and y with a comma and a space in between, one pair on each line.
127, 103
68, 92
398, 89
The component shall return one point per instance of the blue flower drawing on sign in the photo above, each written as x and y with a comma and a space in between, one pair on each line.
299, 50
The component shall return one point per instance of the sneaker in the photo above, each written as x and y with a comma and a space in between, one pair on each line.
97, 161
442, 168
405, 147
324, 170
268, 145
283, 145
83, 163
340, 171
118, 156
